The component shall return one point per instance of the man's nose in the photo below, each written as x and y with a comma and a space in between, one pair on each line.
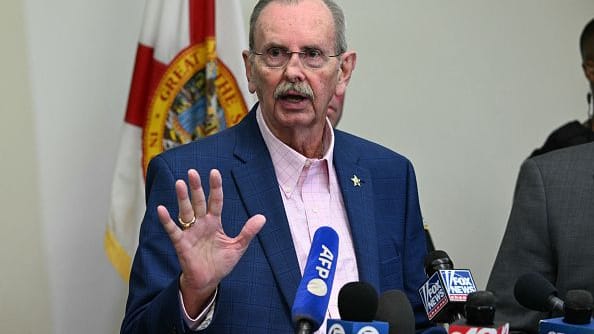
294, 71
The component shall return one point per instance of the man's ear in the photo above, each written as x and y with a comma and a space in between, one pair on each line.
347, 66
248, 71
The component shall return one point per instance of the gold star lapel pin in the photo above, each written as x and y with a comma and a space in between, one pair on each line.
356, 181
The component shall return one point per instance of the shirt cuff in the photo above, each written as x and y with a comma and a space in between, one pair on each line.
203, 319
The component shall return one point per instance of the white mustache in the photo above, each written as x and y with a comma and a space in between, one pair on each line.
301, 87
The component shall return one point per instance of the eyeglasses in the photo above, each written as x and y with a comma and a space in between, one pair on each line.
277, 57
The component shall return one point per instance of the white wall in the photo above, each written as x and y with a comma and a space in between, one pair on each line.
23, 274
464, 88
81, 54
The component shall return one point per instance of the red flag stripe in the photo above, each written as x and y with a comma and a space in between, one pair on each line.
202, 20
138, 96
146, 75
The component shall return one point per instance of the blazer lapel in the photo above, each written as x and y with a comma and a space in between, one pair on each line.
356, 187
259, 190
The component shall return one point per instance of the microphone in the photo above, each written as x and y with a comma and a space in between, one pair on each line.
357, 305
578, 315
357, 301
578, 307
480, 315
395, 309
311, 300
437, 260
444, 293
535, 292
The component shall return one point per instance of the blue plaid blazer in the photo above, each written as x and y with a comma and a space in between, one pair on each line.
256, 297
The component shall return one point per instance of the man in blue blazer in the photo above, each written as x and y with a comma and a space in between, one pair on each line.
230, 264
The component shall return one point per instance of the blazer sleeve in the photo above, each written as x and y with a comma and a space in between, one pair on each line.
526, 247
153, 304
415, 250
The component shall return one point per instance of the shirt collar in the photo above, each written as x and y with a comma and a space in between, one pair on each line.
288, 163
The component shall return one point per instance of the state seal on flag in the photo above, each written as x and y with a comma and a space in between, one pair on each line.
197, 96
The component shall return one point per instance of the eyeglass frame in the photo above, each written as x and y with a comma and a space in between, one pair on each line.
289, 54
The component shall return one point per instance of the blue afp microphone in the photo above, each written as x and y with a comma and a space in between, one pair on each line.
357, 305
313, 293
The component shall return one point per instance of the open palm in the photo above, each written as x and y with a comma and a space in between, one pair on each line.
205, 253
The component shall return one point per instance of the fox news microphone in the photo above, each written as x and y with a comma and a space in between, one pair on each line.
395, 309
444, 293
313, 293
357, 305
577, 318
437, 260
480, 315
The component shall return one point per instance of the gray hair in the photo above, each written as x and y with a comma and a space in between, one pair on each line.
337, 14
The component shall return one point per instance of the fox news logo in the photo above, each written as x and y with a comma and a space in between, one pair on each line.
458, 283
433, 296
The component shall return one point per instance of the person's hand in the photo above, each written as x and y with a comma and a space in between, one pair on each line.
206, 254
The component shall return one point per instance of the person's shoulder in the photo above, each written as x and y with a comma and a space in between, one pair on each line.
566, 163
567, 154
214, 144
366, 149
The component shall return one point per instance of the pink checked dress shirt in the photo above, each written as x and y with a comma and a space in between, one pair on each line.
312, 198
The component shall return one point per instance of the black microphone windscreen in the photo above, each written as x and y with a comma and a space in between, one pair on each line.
578, 299
480, 308
534, 292
395, 309
357, 301
578, 307
480, 298
437, 260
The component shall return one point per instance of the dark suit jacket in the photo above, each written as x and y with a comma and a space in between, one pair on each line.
549, 231
256, 297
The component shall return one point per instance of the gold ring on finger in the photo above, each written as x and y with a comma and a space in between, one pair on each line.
187, 225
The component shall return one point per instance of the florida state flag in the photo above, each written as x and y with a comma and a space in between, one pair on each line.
183, 88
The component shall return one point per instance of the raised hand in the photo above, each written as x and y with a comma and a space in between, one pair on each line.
206, 254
